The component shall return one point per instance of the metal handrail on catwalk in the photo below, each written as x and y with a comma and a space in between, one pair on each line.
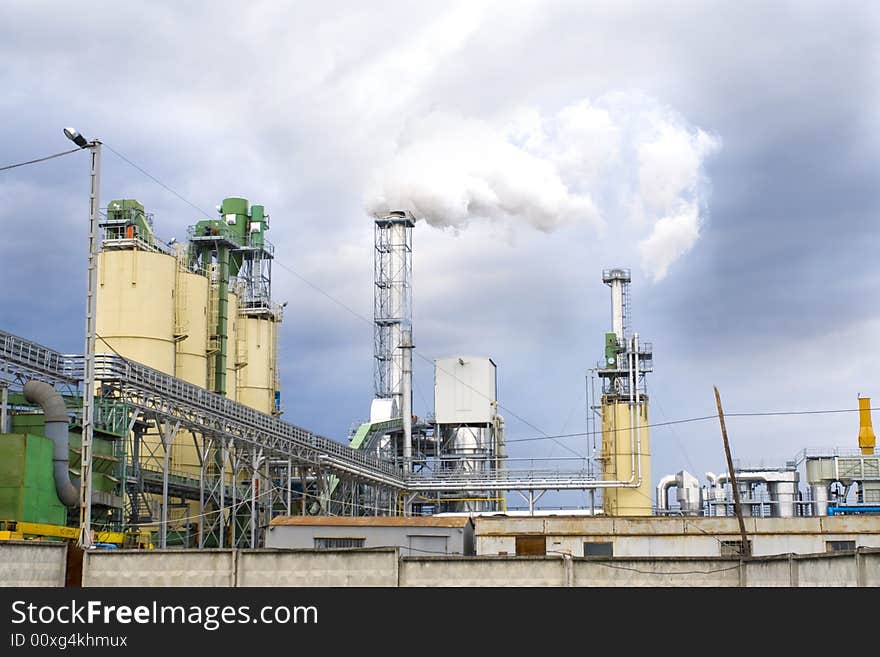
197, 408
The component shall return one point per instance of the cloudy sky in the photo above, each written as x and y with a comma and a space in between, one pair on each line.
726, 152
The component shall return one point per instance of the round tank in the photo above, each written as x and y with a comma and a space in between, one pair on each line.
256, 380
784, 494
192, 322
192, 361
468, 449
617, 460
135, 307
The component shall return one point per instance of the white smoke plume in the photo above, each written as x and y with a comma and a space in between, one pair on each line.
623, 163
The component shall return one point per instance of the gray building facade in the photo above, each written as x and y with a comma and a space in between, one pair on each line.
415, 536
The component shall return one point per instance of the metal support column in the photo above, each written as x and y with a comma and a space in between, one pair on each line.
88, 411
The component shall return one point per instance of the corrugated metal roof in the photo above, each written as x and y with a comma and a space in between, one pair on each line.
368, 521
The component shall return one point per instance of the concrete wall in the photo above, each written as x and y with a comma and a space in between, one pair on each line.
497, 571
312, 568
656, 572
43, 564
158, 568
303, 568
32, 563
459, 540
674, 536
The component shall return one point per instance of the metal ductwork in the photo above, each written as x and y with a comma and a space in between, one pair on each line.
663, 487
782, 485
40, 392
690, 499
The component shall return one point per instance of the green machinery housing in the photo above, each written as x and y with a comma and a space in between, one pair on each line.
27, 485
236, 246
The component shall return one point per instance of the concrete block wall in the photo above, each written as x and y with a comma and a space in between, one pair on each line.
33, 563
145, 568
43, 564
487, 571
308, 568
656, 572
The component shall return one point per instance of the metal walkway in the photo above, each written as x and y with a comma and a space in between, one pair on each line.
202, 411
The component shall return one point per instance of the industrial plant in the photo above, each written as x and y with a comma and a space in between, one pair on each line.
187, 446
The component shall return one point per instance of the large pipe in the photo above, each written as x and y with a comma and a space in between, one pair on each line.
398, 309
40, 392
406, 347
617, 309
820, 499
663, 487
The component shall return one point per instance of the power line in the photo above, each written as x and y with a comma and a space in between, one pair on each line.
544, 435
40, 159
687, 420
599, 433
159, 182
339, 303
345, 306
423, 357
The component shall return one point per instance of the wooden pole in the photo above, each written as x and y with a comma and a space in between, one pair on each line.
737, 507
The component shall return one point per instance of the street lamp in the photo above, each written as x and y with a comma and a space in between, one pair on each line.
88, 411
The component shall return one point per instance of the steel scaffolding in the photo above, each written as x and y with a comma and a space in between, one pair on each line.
392, 311
254, 460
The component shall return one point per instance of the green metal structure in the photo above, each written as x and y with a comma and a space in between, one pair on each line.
234, 239
27, 487
126, 219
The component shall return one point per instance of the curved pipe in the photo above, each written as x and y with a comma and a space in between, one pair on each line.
40, 392
663, 487
712, 478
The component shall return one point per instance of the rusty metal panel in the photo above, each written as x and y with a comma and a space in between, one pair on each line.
533, 546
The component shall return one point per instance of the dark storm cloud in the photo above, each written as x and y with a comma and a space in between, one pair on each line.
295, 108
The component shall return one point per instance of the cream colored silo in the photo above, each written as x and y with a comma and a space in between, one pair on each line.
257, 380
134, 317
192, 358
626, 455
135, 307
192, 328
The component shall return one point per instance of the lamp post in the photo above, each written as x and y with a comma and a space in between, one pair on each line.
88, 410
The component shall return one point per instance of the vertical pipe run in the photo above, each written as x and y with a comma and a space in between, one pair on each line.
166, 445
222, 312
287, 476
398, 312
617, 309
406, 348
4, 402
202, 466
221, 512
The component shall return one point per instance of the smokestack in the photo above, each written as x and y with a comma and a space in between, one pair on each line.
618, 280
392, 312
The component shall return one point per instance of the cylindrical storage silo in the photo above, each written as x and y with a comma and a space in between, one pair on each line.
626, 454
192, 328
256, 380
135, 307
192, 361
